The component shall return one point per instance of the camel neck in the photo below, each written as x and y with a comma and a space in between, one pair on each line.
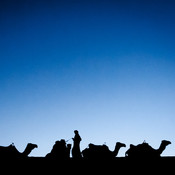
27, 151
161, 148
116, 150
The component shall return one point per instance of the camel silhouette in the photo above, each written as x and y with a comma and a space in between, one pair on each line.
76, 153
144, 150
60, 151
101, 151
10, 152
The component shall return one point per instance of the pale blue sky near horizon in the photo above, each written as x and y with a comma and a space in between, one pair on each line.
105, 68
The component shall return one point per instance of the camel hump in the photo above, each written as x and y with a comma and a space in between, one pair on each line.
93, 146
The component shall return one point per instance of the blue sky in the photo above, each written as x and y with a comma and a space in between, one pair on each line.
105, 68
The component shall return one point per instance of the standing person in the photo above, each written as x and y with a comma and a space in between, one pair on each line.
76, 153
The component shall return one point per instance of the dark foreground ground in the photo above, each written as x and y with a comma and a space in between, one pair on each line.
121, 165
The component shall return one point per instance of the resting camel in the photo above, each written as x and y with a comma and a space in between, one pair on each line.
101, 151
60, 151
10, 152
144, 150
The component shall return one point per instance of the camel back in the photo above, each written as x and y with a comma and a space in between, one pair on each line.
140, 150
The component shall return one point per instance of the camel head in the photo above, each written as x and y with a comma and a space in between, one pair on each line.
118, 144
117, 148
163, 146
165, 142
29, 148
32, 146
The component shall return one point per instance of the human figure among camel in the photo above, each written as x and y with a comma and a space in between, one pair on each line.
76, 153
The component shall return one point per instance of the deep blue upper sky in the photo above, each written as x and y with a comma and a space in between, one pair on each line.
105, 68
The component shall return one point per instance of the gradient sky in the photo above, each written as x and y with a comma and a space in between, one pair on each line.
105, 68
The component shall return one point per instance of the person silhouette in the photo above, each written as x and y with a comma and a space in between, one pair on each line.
76, 153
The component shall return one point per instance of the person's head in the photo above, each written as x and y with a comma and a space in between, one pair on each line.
76, 131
